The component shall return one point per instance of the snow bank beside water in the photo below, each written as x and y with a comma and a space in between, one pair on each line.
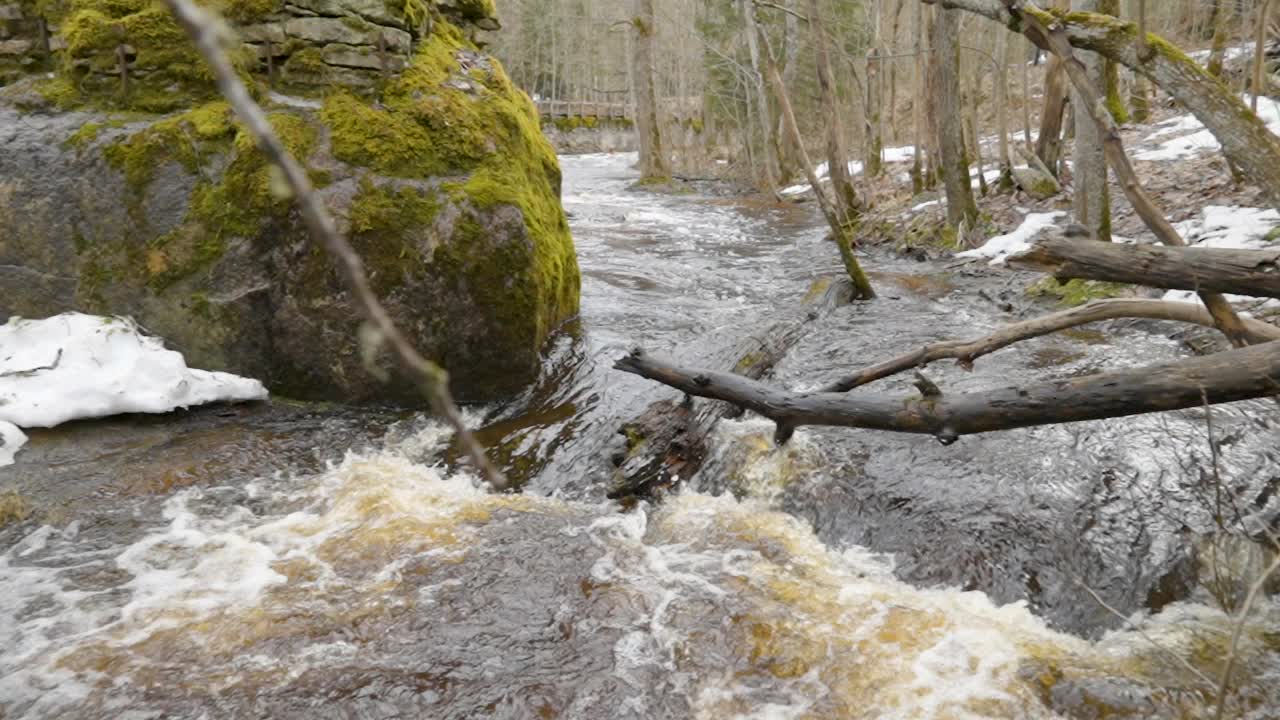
1002, 246
74, 366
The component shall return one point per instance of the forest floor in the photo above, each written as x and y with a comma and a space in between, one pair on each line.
1178, 161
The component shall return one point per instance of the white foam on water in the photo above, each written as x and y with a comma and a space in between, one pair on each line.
207, 560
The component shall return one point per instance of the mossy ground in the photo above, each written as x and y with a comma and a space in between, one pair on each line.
13, 508
1073, 293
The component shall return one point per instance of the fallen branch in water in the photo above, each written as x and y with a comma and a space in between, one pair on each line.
1239, 374
208, 32
966, 351
670, 440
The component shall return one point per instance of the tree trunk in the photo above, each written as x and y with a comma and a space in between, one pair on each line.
1259, 47
1240, 374
1221, 33
918, 102
962, 212
1000, 80
769, 146
1091, 200
838, 223
1239, 272
654, 166
1049, 142
875, 143
788, 162
1245, 139
846, 197
1111, 71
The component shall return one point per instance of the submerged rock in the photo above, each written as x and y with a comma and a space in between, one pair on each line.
438, 174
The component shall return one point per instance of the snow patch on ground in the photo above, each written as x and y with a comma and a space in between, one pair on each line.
1231, 53
1201, 140
1232, 228
1229, 228
1000, 247
75, 366
889, 155
11, 439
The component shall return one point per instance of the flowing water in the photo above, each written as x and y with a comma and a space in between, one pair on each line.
286, 561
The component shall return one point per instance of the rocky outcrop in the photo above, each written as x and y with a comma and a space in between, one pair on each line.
435, 167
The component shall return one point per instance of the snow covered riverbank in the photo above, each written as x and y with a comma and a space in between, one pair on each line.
75, 366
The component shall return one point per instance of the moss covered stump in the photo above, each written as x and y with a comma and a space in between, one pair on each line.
438, 173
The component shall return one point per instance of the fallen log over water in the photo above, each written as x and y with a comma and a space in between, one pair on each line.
1240, 272
669, 439
966, 351
1239, 374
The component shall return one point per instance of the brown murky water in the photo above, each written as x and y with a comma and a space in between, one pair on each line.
293, 561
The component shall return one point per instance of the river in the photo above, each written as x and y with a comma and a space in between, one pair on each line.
287, 561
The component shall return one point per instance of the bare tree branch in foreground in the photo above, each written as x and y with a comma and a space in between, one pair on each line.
1239, 374
208, 33
966, 351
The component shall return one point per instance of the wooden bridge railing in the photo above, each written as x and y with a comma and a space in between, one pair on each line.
577, 108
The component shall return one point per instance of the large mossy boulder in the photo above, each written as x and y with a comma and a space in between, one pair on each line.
437, 172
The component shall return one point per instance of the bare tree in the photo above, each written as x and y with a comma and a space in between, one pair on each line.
962, 212
1245, 139
837, 219
1091, 200
846, 197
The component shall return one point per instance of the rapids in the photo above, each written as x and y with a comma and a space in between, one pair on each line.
289, 561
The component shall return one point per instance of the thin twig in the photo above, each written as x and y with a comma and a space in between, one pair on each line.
966, 351
1143, 634
1237, 629
209, 33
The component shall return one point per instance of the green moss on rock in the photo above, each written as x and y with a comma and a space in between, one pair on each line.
437, 120
165, 70
184, 138
236, 204
387, 227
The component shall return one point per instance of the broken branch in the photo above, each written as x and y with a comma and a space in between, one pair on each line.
1239, 374
966, 351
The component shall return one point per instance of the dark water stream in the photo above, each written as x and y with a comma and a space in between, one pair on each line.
284, 561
